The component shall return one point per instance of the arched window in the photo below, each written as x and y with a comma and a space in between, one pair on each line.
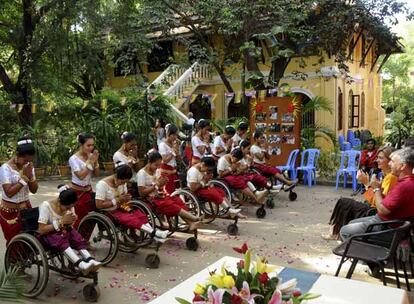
362, 109
340, 109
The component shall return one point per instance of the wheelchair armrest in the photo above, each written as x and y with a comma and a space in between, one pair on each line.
385, 223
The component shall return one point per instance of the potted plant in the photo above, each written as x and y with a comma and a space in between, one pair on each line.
61, 156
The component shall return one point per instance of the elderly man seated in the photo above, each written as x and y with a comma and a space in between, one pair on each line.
398, 204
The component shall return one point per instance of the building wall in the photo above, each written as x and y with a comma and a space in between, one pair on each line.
364, 81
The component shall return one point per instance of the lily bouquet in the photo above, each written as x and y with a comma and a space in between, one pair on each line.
252, 284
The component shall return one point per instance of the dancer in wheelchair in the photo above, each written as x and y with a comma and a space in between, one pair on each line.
240, 134
260, 154
56, 220
112, 196
151, 186
17, 178
246, 164
198, 177
198, 143
128, 154
169, 150
84, 164
231, 170
223, 143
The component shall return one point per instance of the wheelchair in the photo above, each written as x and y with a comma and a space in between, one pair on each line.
175, 223
33, 261
269, 202
107, 236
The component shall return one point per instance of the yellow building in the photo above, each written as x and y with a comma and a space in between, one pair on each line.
355, 99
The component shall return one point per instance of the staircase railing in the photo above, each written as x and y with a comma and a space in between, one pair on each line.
182, 80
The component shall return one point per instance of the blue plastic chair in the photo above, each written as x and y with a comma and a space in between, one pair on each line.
308, 161
291, 164
347, 146
356, 142
341, 142
349, 166
350, 136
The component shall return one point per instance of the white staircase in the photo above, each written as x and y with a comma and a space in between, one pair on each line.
180, 84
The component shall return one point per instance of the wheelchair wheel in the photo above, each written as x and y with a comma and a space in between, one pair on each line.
210, 210
293, 196
101, 233
176, 223
261, 212
91, 292
27, 255
192, 244
232, 229
58, 262
152, 261
222, 185
130, 240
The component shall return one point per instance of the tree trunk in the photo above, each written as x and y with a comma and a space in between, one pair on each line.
278, 70
252, 66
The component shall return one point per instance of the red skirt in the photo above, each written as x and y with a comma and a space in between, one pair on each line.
169, 206
11, 230
211, 194
171, 184
83, 206
236, 181
256, 179
133, 220
266, 170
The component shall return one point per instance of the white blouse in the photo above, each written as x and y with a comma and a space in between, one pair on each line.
104, 192
164, 149
194, 175
223, 164
197, 142
145, 180
8, 175
121, 157
76, 164
47, 215
256, 149
219, 142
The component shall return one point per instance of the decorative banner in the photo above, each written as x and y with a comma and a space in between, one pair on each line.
85, 103
123, 101
228, 97
19, 107
34, 108
193, 97
251, 93
273, 92
237, 98
262, 94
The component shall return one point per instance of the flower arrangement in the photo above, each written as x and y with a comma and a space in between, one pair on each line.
250, 285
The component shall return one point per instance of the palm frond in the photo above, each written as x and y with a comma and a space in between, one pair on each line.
318, 103
11, 286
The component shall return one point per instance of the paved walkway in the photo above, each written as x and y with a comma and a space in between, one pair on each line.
288, 236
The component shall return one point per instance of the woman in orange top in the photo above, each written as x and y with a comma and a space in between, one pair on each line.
347, 209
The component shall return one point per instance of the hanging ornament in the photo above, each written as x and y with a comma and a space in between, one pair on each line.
49, 106
123, 101
19, 107
34, 108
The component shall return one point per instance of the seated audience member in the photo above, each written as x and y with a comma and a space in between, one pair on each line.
398, 204
348, 209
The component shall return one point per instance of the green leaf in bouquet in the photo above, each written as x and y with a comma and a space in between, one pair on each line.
309, 296
240, 278
247, 261
182, 301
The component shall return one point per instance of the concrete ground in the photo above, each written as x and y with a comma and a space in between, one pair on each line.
288, 236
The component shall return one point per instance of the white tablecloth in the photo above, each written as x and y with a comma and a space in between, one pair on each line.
333, 290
